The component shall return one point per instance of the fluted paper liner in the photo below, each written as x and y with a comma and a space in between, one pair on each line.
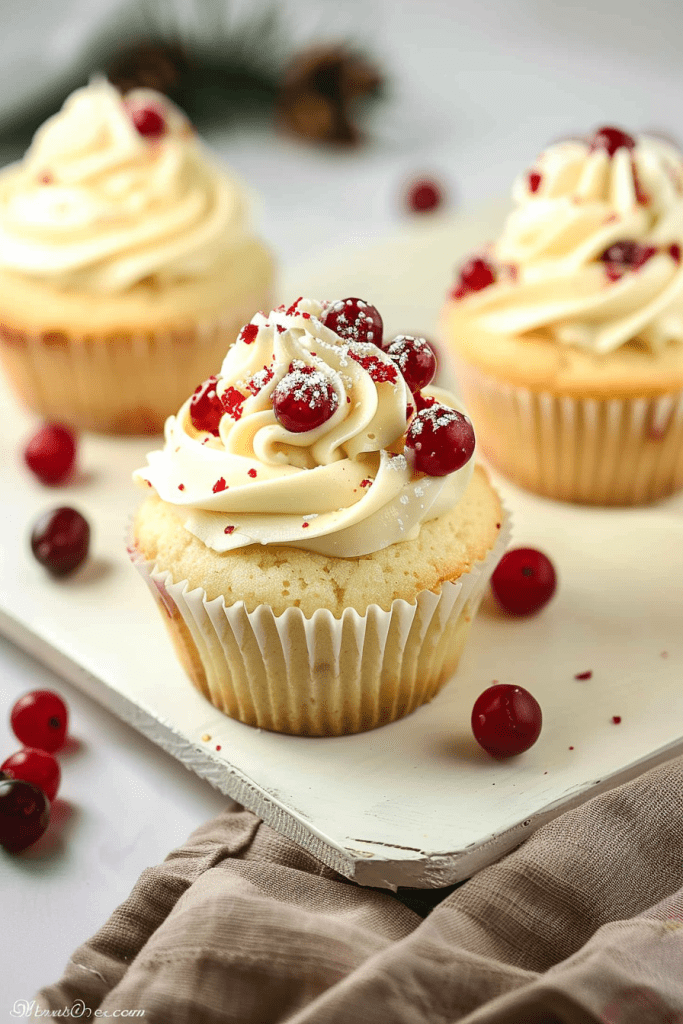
117, 382
321, 676
593, 451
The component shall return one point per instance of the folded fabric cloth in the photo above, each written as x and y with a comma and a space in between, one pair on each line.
582, 924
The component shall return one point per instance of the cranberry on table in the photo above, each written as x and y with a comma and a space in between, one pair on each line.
148, 120
40, 720
36, 766
304, 399
415, 359
424, 195
206, 408
524, 581
24, 814
506, 720
442, 439
354, 320
60, 540
51, 453
611, 139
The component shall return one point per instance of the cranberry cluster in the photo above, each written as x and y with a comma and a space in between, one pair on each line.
29, 778
60, 539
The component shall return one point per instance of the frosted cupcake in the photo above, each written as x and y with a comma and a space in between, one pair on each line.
127, 265
314, 530
568, 331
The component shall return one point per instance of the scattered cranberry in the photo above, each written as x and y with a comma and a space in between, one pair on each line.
24, 814
675, 252
51, 453
303, 399
424, 195
354, 320
627, 254
611, 139
506, 720
60, 540
442, 438
524, 581
616, 719
35, 766
39, 719
149, 121
588, 674
206, 408
415, 359
475, 275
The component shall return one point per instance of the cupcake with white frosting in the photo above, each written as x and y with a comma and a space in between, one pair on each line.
568, 331
314, 528
127, 264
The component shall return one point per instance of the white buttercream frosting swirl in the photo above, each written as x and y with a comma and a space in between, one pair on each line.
343, 488
575, 204
97, 206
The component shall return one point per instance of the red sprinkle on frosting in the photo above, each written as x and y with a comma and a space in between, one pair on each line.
229, 529
220, 485
304, 525
181, 487
248, 334
379, 371
366, 482
233, 400
252, 473
293, 308
534, 179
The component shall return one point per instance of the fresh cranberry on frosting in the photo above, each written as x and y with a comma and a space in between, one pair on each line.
354, 320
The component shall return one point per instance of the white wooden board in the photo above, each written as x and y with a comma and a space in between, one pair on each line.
417, 802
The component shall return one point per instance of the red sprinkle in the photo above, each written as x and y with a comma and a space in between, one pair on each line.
675, 252
220, 485
280, 329
304, 525
149, 483
584, 675
306, 316
233, 400
571, 748
293, 308
379, 371
534, 179
181, 487
251, 472
616, 719
366, 482
229, 529
46, 178
218, 746
248, 334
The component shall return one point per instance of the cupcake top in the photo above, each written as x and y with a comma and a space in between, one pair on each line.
591, 254
117, 190
315, 436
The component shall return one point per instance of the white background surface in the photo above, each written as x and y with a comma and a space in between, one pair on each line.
478, 89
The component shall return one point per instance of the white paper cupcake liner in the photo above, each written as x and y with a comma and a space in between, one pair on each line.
118, 382
321, 676
593, 451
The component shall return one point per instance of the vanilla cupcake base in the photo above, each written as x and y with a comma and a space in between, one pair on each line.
121, 382
599, 451
325, 675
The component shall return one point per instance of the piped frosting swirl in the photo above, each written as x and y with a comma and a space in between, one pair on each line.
345, 487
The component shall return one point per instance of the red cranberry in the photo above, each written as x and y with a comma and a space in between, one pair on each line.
206, 408
414, 358
506, 720
354, 320
51, 453
36, 766
611, 139
303, 399
24, 814
628, 254
40, 719
149, 121
524, 581
442, 438
475, 275
60, 540
424, 195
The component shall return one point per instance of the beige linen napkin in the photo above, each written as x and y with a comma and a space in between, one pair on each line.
582, 924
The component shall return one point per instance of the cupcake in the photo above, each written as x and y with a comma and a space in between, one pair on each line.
126, 263
567, 333
314, 529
